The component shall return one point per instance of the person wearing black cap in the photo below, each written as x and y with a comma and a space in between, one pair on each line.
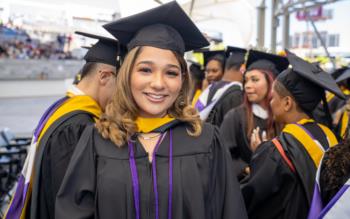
214, 63
231, 82
239, 123
282, 170
336, 105
61, 126
221, 96
150, 156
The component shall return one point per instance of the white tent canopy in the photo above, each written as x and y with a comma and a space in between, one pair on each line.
234, 19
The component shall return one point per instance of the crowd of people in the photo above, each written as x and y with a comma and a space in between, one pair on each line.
143, 133
17, 44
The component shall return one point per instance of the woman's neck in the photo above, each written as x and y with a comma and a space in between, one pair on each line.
263, 105
149, 142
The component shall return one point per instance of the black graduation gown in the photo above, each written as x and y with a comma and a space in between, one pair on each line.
56, 151
234, 136
230, 99
98, 182
272, 190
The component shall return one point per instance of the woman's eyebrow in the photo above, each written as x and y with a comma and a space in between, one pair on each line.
173, 66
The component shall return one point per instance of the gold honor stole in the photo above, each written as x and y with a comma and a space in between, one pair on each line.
146, 125
74, 103
313, 147
344, 122
196, 96
330, 96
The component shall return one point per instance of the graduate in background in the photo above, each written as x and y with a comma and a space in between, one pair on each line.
221, 96
214, 63
336, 104
59, 130
338, 107
197, 77
282, 177
239, 123
150, 156
227, 93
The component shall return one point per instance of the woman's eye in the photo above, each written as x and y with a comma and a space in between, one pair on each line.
173, 73
255, 79
146, 70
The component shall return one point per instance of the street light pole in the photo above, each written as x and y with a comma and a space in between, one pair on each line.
274, 25
261, 25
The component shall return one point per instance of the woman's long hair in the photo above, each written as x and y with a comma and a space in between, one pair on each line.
271, 129
118, 122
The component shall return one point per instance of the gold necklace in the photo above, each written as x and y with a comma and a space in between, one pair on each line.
149, 137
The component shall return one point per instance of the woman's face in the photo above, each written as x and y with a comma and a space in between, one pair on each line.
213, 71
255, 86
156, 80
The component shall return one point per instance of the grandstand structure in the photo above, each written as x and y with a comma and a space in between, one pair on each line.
45, 21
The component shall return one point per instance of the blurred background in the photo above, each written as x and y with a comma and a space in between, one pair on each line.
39, 53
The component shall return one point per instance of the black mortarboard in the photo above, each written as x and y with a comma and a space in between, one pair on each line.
105, 50
217, 54
266, 61
341, 74
235, 56
307, 82
165, 27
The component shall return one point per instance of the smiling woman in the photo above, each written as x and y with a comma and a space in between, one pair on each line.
155, 81
150, 156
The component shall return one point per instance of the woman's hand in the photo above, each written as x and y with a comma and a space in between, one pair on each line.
256, 140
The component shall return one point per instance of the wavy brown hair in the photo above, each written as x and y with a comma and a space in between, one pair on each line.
118, 123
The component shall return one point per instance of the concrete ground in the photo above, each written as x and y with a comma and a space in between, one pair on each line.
21, 114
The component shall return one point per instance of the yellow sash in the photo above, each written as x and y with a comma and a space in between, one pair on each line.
146, 125
344, 124
79, 102
74, 103
196, 96
314, 149
329, 96
345, 91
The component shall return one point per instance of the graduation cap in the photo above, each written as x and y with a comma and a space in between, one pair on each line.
307, 82
341, 74
105, 50
235, 56
216, 54
266, 61
166, 27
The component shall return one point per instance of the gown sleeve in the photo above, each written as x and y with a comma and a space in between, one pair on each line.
225, 196
231, 130
76, 196
56, 157
225, 104
266, 179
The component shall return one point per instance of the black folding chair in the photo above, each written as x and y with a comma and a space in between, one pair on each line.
15, 144
11, 139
